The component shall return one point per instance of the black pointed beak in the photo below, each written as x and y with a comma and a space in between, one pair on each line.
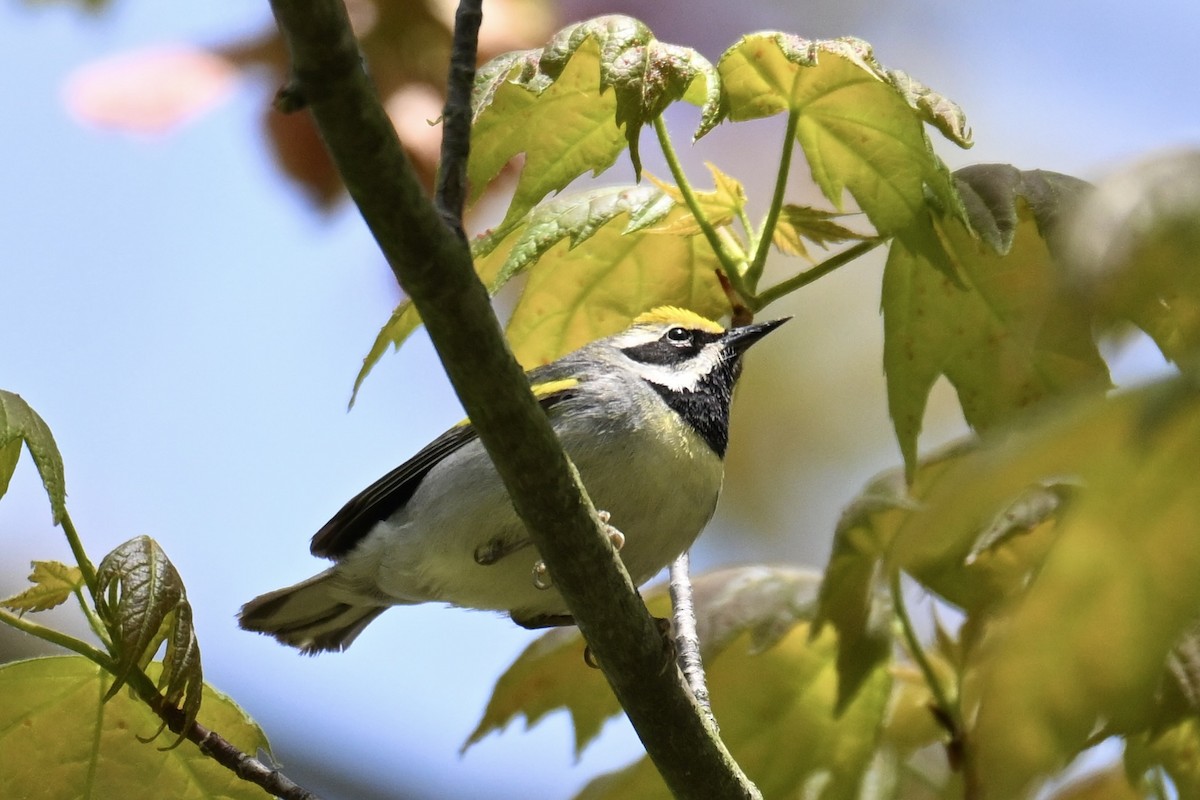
740, 339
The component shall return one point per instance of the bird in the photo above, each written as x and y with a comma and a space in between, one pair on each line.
644, 416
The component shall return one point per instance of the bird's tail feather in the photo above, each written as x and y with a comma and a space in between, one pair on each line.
313, 615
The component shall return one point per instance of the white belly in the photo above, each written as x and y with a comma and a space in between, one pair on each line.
660, 501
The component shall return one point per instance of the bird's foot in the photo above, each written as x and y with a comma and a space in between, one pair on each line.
541, 576
615, 536
493, 550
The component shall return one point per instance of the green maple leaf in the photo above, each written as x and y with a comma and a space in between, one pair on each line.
773, 687
21, 425
996, 323
59, 739
576, 104
575, 295
1085, 638
53, 584
861, 127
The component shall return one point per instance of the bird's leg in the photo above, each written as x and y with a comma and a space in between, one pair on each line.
541, 580
493, 550
541, 575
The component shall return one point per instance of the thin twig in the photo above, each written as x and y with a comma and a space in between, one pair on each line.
941, 697
225, 753
946, 709
63, 640
450, 196
827, 266
767, 233
687, 640
213, 745
81, 557
732, 268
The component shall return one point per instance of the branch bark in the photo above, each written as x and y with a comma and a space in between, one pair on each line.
433, 264
216, 747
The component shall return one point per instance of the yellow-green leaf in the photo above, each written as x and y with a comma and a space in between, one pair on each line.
854, 596
53, 583
574, 105
1003, 332
1112, 595
762, 603
776, 711
720, 206
20, 424
860, 131
773, 686
575, 295
405, 319
550, 675
10, 453
60, 739
799, 223
936, 109
545, 240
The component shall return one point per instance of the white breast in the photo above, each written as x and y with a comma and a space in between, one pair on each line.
660, 500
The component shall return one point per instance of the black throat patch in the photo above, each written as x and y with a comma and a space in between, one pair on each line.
706, 408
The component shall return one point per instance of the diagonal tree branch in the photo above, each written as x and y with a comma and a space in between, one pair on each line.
433, 264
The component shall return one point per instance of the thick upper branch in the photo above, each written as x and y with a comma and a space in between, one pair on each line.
433, 264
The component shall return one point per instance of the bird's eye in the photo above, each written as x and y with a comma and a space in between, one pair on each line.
679, 335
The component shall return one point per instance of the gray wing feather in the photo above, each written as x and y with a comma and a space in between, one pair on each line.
386, 496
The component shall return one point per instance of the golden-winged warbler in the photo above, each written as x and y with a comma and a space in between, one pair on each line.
644, 416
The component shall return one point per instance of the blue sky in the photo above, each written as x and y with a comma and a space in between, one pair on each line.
190, 330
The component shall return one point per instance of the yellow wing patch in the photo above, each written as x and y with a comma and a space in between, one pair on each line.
548, 388
681, 316
540, 391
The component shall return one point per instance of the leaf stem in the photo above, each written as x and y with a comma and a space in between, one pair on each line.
786, 287
64, 640
81, 557
94, 621
766, 233
940, 696
733, 269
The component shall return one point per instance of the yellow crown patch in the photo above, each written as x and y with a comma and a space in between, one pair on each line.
673, 315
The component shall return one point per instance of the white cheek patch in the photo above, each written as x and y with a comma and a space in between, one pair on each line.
683, 377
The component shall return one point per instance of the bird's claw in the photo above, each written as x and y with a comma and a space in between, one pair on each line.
541, 576
493, 550
615, 536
